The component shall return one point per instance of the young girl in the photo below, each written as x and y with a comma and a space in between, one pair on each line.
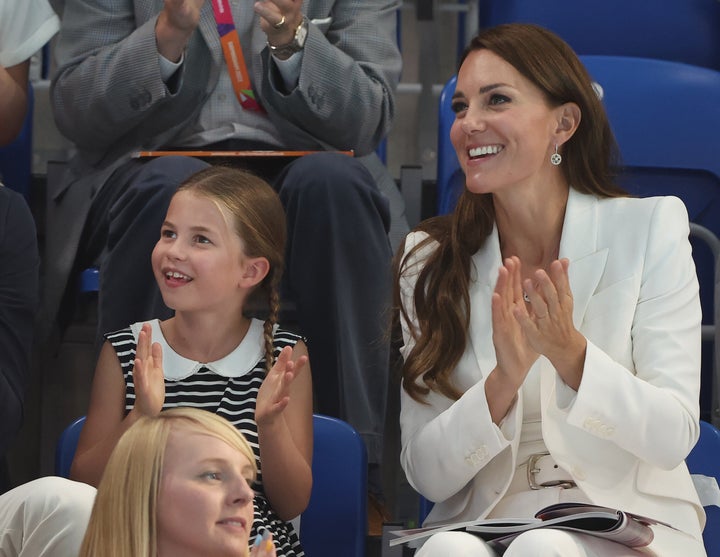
177, 484
221, 244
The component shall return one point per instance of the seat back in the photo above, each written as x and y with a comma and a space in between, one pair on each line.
450, 178
665, 119
661, 116
704, 459
707, 245
617, 27
66, 446
335, 521
16, 158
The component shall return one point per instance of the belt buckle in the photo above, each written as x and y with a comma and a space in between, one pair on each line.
532, 470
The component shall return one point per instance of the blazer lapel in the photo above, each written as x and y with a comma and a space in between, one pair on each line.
209, 32
579, 244
486, 263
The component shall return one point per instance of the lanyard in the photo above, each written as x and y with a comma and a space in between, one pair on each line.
234, 58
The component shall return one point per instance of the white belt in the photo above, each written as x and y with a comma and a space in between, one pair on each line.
543, 471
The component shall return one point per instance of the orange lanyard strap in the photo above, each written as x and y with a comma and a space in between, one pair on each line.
234, 58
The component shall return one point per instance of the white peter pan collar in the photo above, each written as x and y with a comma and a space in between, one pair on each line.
236, 364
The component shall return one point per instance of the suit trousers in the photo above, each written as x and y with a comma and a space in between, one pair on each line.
560, 543
337, 270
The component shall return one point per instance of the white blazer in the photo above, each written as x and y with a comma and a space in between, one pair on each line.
625, 433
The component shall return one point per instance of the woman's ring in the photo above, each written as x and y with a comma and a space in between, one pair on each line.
280, 23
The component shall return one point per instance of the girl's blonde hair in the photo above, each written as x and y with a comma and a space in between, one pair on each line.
124, 517
259, 221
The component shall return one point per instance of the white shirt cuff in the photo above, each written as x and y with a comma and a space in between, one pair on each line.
290, 70
168, 68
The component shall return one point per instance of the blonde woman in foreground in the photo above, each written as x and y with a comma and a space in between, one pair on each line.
177, 484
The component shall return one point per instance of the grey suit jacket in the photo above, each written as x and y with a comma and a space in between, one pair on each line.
109, 99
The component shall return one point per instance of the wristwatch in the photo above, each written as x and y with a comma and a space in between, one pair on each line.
284, 51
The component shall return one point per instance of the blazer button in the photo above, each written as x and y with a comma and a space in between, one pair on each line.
592, 425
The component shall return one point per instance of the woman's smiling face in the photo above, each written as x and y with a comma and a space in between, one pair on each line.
205, 503
504, 127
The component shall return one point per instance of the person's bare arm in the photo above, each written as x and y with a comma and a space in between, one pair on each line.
106, 419
13, 100
284, 418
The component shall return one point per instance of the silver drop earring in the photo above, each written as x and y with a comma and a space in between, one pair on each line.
556, 158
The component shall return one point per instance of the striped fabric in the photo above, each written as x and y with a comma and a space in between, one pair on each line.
234, 399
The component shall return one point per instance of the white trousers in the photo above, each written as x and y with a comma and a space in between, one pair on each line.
46, 517
559, 543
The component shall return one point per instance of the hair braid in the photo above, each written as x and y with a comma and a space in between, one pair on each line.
269, 325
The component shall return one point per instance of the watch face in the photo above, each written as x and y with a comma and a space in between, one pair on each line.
301, 34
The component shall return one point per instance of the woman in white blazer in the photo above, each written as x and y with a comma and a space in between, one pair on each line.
550, 319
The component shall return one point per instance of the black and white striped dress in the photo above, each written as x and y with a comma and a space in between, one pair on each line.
227, 387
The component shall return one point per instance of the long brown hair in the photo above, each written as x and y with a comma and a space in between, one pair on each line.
259, 221
441, 298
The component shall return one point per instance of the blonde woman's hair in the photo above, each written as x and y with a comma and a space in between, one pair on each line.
259, 221
123, 522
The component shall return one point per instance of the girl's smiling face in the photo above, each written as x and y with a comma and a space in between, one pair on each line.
198, 261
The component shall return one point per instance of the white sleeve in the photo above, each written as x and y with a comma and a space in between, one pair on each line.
444, 438
25, 27
660, 396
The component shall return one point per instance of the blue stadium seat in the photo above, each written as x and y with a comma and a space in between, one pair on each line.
665, 117
335, 521
66, 446
704, 459
679, 30
450, 178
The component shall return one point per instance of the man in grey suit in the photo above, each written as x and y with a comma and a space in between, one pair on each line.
147, 75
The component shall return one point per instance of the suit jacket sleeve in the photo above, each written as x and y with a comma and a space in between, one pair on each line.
657, 393
19, 264
109, 85
108, 89
345, 96
453, 440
